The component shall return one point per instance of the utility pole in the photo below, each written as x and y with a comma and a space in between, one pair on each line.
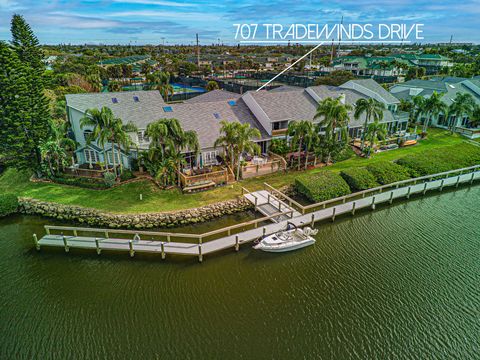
331, 52
198, 52
340, 37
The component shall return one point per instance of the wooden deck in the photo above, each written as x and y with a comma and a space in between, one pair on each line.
194, 244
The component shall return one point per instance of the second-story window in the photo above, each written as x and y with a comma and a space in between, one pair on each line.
87, 135
142, 137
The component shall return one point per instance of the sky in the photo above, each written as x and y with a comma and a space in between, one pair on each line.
176, 22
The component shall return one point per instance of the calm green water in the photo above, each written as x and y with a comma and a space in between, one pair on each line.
402, 282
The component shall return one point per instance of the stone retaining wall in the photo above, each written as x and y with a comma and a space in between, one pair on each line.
98, 218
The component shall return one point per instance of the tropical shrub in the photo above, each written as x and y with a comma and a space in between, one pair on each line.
109, 179
126, 175
386, 172
279, 147
441, 159
8, 204
321, 186
359, 179
343, 154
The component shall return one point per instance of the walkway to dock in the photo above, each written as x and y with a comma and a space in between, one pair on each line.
268, 204
234, 236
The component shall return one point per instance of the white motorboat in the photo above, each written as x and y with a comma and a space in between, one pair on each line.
290, 239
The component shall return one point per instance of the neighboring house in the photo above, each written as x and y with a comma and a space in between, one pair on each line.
448, 87
276, 108
395, 65
268, 111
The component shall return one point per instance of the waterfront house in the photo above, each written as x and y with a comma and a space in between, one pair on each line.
448, 87
268, 111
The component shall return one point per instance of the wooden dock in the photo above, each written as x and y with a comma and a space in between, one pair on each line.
198, 245
268, 204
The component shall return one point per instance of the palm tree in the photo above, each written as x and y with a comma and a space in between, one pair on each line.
244, 143
418, 108
333, 115
300, 131
121, 138
432, 107
463, 104
229, 139
108, 129
157, 132
50, 150
99, 120
372, 109
376, 131
166, 170
475, 116
166, 90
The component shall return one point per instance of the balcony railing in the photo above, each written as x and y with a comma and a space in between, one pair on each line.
279, 132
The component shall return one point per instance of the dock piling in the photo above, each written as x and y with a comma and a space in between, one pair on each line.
373, 203
35, 241
408, 192
237, 243
162, 246
425, 188
391, 197
471, 179
441, 185
200, 256
64, 238
97, 245
313, 220
458, 181
333, 214
132, 251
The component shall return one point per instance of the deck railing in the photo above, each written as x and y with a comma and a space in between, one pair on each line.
361, 194
220, 176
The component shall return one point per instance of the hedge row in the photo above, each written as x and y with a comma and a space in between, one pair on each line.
321, 186
8, 204
386, 172
443, 159
89, 183
359, 179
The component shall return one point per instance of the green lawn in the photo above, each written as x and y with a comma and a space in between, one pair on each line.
125, 198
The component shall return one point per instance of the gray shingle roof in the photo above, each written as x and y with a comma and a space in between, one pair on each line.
198, 117
214, 95
286, 88
285, 105
372, 85
351, 97
148, 108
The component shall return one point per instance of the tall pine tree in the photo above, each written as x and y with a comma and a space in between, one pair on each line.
25, 120
15, 144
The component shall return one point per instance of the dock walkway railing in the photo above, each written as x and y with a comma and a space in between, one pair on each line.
304, 209
233, 236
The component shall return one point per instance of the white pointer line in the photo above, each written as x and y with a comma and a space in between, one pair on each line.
304, 56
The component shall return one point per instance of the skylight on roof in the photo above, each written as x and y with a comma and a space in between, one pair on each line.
115, 100
217, 115
136, 99
232, 103
167, 109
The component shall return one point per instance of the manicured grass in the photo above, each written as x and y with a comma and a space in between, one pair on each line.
125, 199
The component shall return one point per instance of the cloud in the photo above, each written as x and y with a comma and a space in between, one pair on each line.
164, 14
155, 2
